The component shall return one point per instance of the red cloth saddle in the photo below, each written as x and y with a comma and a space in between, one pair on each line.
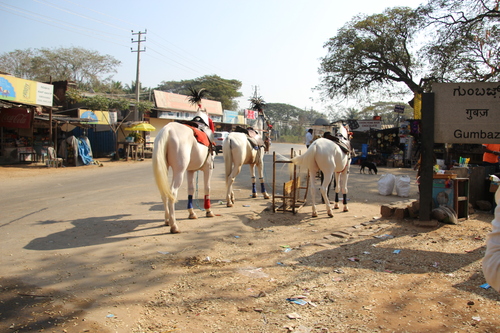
200, 136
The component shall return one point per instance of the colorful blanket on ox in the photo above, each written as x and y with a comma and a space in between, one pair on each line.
200, 136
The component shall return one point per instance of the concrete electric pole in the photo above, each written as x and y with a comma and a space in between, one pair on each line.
137, 84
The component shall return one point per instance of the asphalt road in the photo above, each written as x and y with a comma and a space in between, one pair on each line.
117, 189
54, 196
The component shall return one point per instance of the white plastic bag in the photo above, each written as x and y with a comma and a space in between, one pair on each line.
386, 184
403, 186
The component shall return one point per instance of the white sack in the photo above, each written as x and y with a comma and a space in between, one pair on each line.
386, 184
403, 186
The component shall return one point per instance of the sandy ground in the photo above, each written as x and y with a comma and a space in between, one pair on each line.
252, 270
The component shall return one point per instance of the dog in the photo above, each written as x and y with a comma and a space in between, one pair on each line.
372, 168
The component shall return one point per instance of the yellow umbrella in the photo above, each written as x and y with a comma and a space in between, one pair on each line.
141, 127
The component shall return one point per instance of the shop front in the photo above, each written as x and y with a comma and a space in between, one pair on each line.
16, 135
20, 101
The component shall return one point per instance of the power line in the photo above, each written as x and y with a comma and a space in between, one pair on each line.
182, 56
59, 24
47, 3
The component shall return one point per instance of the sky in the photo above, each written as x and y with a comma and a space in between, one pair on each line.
274, 46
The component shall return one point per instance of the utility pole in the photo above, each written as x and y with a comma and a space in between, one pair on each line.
137, 84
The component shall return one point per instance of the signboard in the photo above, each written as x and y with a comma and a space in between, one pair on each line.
366, 125
97, 117
466, 112
230, 117
25, 91
15, 118
399, 108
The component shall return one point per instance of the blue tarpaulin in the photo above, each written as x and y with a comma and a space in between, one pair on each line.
84, 151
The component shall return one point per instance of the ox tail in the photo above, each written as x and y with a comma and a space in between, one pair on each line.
160, 166
228, 156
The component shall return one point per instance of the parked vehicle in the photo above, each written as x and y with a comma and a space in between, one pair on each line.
219, 139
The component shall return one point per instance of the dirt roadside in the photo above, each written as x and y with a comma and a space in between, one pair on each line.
252, 270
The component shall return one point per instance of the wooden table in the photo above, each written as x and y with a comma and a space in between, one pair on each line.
133, 149
28, 157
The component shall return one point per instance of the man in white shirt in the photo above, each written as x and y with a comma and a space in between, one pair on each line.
309, 137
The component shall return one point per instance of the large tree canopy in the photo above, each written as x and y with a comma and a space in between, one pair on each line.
467, 43
85, 67
462, 43
219, 89
371, 50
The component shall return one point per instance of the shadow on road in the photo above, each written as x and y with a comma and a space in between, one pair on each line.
89, 231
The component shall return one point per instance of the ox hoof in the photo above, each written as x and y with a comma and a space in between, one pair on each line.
267, 196
254, 195
193, 216
346, 209
166, 223
330, 214
210, 214
230, 204
314, 214
336, 206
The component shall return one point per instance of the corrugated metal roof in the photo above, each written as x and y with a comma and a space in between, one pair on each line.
63, 119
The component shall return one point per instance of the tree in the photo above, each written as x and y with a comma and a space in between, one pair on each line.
18, 63
282, 113
290, 121
372, 52
467, 43
86, 67
219, 89
97, 103
345, 113
144, 92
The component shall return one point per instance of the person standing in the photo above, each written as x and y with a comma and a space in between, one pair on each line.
491, 152
309, 137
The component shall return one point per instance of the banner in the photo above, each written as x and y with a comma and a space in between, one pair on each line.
250, 114
15, 118
23, 91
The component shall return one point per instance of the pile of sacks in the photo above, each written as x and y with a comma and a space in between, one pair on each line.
388, 182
